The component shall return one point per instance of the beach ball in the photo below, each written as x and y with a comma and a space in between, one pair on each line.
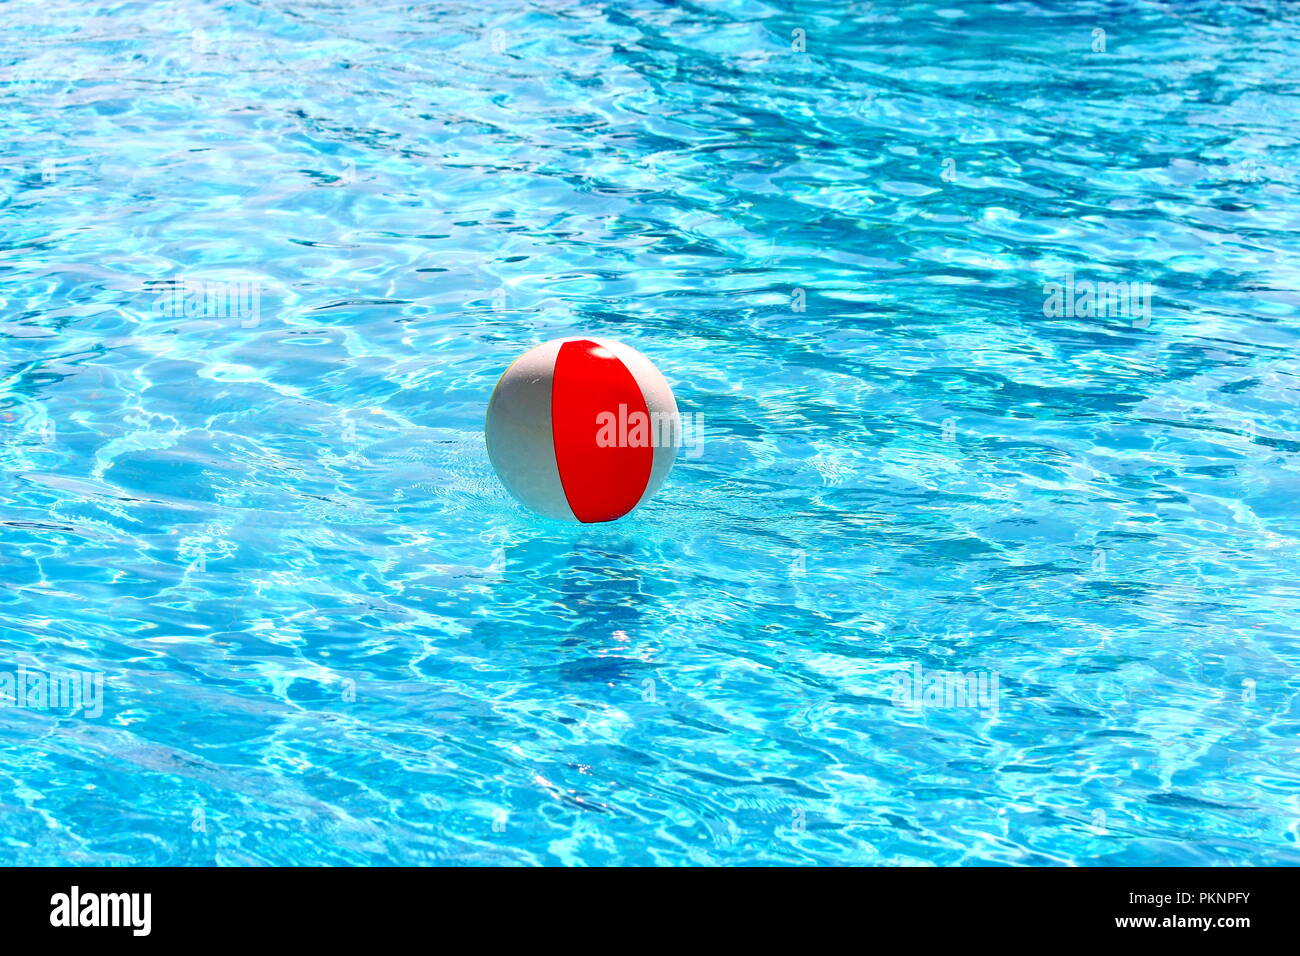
582, 429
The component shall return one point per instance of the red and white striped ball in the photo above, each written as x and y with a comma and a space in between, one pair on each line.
551, 420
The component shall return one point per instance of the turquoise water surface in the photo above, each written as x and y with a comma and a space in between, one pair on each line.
981, 562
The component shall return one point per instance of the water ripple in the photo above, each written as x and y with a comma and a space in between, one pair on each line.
265, 261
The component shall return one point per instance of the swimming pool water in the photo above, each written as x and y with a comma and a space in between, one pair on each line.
264, 262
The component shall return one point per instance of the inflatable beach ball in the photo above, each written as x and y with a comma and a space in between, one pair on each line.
582, 429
